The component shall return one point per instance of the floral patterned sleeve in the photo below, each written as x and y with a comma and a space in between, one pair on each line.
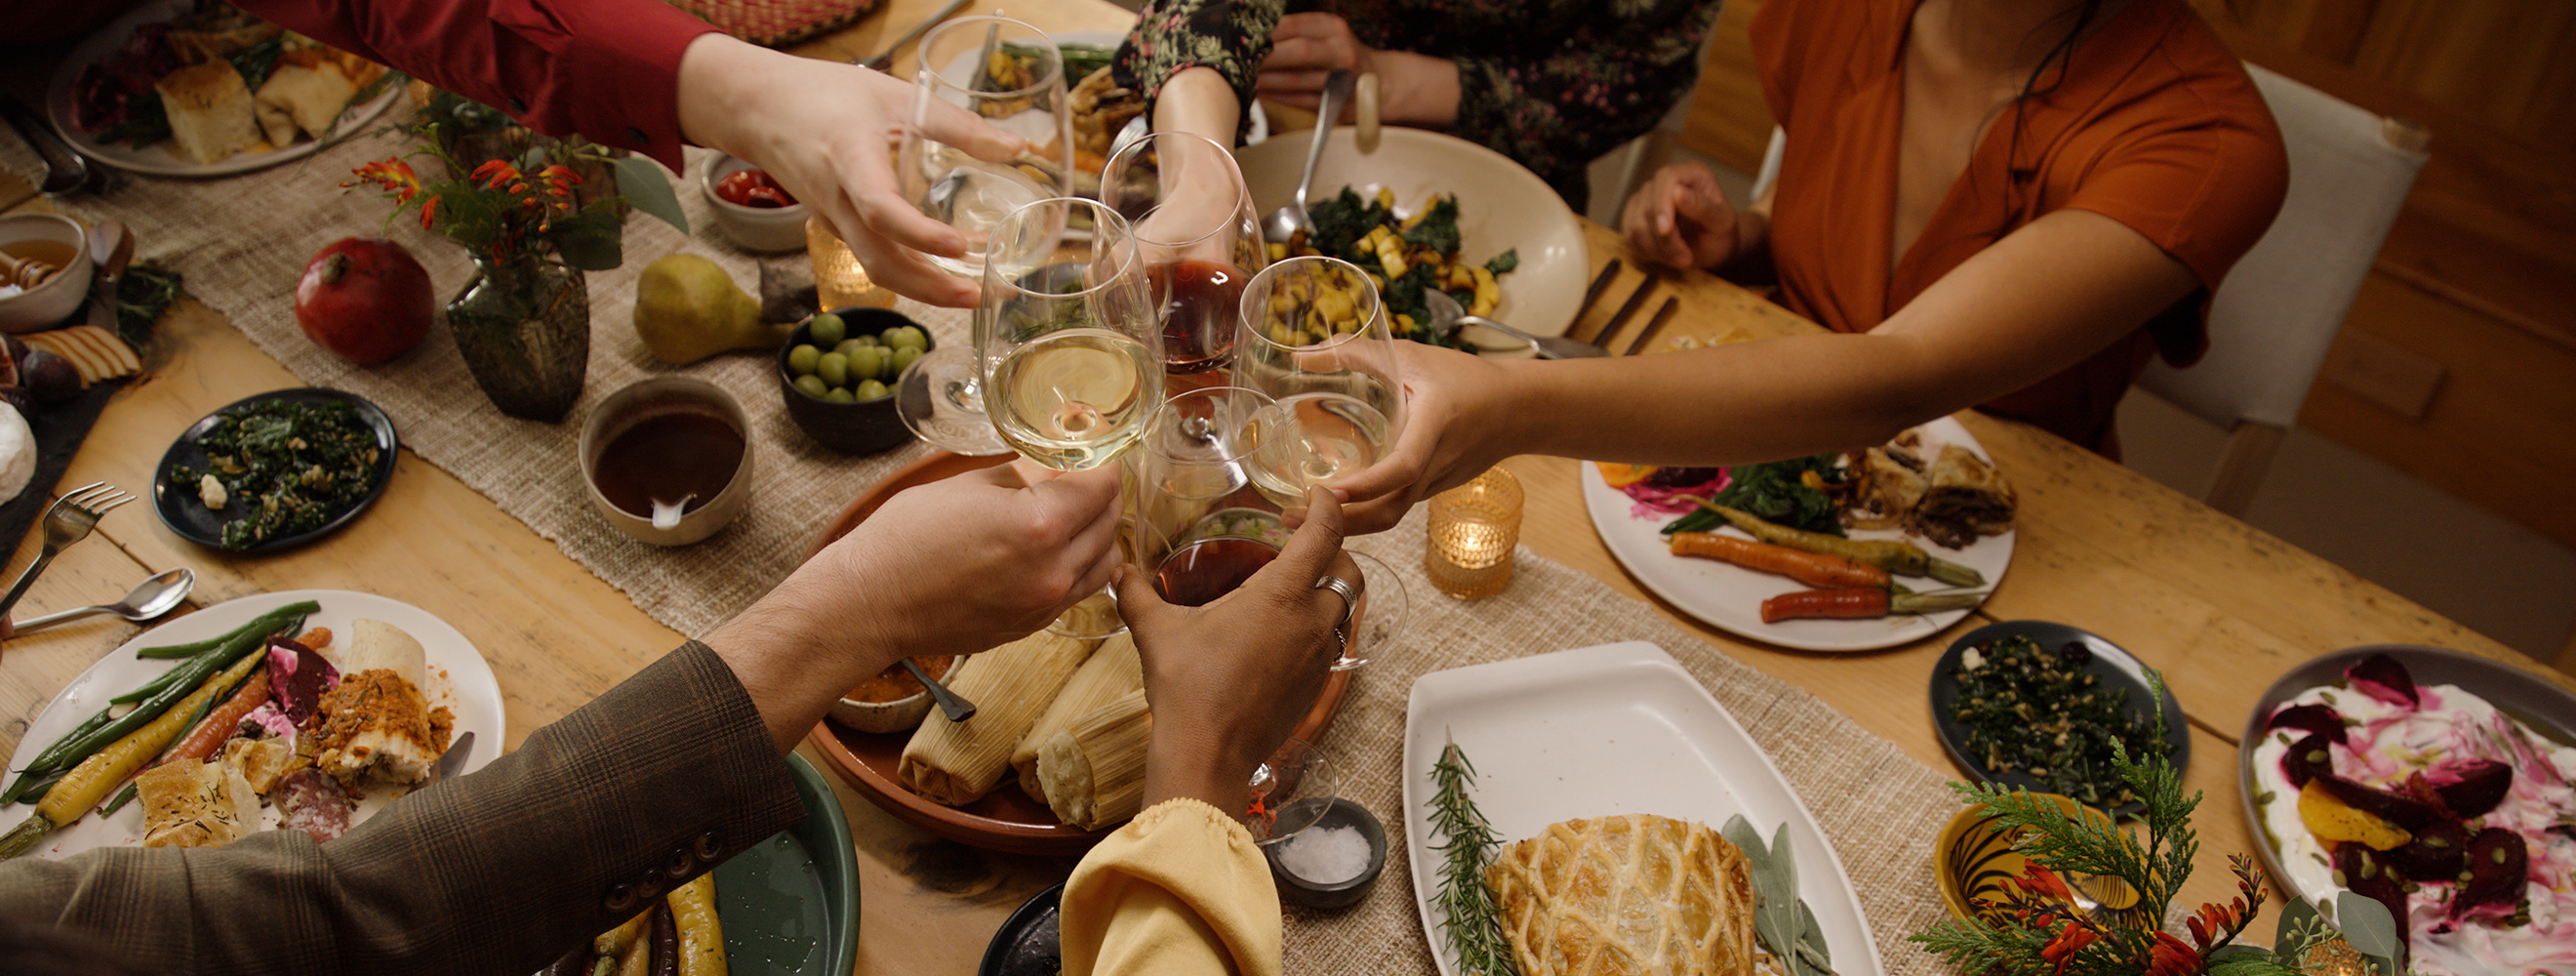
1231, 36
1611, 81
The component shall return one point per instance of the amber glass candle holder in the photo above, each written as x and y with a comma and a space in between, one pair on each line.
840, 281
1474, 528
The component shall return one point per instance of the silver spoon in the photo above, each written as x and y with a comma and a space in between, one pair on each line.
957, 709
1286, 221
65, 170
1446, 317
150, 598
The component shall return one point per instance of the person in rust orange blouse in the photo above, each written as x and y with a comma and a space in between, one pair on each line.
2000, 203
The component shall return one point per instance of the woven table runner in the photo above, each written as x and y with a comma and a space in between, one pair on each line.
243, 241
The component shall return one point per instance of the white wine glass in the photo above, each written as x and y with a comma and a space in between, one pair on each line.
1194, 223
1010, 75
1071, 361
1314, 337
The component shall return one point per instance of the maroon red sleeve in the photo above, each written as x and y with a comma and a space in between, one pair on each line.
607, 69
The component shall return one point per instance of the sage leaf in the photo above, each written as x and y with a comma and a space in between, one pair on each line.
2367, 925
641, 182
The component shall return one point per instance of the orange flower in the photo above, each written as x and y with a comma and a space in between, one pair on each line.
2170, 957
2041, 882
494, 173
560, 173
393, 175
428, 213
2070, 940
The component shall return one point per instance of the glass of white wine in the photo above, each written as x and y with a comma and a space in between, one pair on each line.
1314, 337
1010, 75
1065, 335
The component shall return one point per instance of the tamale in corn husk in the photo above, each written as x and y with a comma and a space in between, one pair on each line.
1095, 770
956, 763
1113, 670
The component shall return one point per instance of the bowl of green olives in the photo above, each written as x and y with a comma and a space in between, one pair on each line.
835, 373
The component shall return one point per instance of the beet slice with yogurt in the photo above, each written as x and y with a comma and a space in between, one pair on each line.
2397, 808
2319, 719
2498, 872
2381, 677
2435, 853
2307, 759
2471, 787
2368, 873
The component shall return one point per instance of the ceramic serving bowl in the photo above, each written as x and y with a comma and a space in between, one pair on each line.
55, 298
1501, 206
652, 398
899, 715
1974, 856
755, 228
860, 427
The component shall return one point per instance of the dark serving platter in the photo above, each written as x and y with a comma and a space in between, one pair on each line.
180, 510
2531, 699
1027, 944
2110, 664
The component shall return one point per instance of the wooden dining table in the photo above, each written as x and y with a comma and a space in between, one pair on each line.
2219, 606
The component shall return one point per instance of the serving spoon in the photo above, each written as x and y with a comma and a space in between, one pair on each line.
1446, 317
150, 598
1285, 222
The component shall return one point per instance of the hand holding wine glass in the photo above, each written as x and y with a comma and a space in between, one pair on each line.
1201, 241
1314, 337
1010, 75
1072, 363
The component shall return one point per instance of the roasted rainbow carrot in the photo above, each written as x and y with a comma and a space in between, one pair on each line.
1811, 568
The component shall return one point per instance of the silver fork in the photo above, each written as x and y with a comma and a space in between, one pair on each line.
69, 521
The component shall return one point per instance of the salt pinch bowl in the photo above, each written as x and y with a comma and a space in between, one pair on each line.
1296, 890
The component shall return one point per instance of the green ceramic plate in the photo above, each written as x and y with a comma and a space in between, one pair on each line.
790, 904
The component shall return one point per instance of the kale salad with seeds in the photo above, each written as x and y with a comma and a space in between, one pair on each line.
278, 467
2032, 710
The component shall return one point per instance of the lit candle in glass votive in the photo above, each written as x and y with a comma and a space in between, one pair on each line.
1474, 528
839, 280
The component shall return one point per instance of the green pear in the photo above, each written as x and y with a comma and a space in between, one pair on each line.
687, 309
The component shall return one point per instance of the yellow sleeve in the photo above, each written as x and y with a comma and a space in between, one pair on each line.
1180, 889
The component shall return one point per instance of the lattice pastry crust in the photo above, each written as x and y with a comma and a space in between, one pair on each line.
1630, 894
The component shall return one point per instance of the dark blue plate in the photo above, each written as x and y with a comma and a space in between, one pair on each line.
1027, 944
180, 510
2113, 666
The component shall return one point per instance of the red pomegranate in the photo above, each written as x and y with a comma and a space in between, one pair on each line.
366, 299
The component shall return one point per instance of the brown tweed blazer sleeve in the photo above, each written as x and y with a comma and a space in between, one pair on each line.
498, 872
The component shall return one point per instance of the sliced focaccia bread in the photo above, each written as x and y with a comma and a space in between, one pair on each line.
210, 112
303, 98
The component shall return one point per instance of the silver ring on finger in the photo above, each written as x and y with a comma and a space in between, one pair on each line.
1350, 597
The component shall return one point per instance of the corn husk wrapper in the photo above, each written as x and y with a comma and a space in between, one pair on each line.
956, 763
1095, 770
1113, 670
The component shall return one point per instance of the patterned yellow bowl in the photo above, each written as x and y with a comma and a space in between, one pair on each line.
1974, 856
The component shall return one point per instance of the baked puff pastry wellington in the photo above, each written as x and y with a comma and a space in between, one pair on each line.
1630, 894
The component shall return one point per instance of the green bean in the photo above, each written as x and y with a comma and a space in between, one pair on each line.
192, 672
123, 797
271, 619
29, 787
50, 759
146, 690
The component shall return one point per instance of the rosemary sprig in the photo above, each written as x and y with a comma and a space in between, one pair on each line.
1468, 917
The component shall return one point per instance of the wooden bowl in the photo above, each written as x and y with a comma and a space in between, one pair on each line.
1006, 819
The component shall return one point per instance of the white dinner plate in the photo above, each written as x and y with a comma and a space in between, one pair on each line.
1597, 731
458, 678
158, 158
1730, 597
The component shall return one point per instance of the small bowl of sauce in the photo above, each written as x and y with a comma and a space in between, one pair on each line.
892, 701
668, 460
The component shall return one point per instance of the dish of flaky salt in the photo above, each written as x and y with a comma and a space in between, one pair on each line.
2439, 784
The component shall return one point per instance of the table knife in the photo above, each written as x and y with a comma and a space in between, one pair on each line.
1654, 325
886, 59
1636, 299
1600, 283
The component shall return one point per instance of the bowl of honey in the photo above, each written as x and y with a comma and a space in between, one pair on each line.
893, 701
668, 460
58, 243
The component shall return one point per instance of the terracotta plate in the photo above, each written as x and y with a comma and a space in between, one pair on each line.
1006, 819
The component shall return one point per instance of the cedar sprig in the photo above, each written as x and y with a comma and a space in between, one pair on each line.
1468, 916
